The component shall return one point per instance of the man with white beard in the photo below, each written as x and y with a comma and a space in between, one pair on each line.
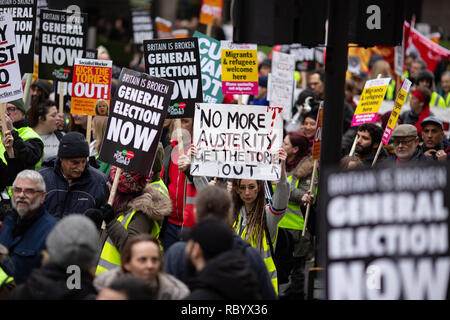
24, 232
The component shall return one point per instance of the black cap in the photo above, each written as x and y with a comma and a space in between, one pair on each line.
73, 145
213, 236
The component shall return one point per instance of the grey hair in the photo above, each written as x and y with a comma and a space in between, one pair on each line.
32, 175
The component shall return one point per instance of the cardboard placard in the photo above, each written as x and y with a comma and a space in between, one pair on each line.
239, 68
10, 79
237, 141
163, 28
371, 99
136, 120
63, 38
177, 60
280, 88
91, 82
385, 232
142, 25
24, 16
67, 86
398, 104
210, 55
210, 10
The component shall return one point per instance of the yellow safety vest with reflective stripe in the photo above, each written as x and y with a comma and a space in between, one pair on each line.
4, 277
436, 100
161, 186
293, 219
25, 133
265, 253
110, 256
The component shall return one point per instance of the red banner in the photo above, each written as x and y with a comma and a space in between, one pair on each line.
427, 50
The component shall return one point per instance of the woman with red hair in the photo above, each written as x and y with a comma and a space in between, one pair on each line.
299, 168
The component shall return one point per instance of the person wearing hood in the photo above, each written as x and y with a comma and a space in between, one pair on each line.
68, 264
73, 186
137, 208
217, 272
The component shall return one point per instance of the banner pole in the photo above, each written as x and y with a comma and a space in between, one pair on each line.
112, 192
61, 97
352, 150
311, 190
88, 129
208, 30
377, 154
3, 118
179, 136
27, 88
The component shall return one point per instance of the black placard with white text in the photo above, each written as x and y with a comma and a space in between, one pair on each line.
63, 38
135, 124
24, 17
385, 232
177, 60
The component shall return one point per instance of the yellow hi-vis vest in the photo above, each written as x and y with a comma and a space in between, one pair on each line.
25, 133
4, 277
293, 219
265, 253
161, 186
110, 256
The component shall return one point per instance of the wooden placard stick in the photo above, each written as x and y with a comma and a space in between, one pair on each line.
311, 187
27, 88
61, 97
112, 192
179, 136
88, 129
3, 117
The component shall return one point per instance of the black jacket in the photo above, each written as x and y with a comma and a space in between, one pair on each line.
50, 282
29, 151
175, 263
226, 276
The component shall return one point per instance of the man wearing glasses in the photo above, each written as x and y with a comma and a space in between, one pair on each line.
24, 232
406, 144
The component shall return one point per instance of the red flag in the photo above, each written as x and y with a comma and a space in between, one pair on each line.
427, 50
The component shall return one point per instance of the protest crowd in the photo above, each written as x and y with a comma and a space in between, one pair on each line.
199, 188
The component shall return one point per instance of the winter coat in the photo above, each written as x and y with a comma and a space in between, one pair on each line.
303, 173
26, 246
184, 215
175, 262
142, 222
30, 151
9, 171
170, 288
226, 276
444, 144
88, 191
50, 282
